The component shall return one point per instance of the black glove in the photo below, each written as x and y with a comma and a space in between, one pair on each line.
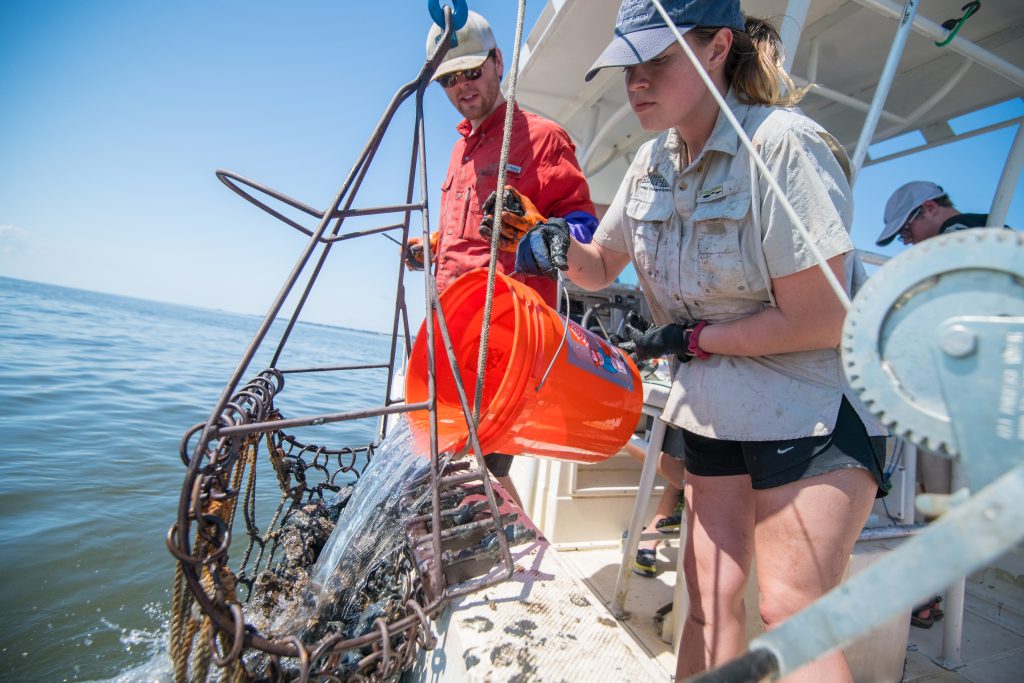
648, 341
544, 248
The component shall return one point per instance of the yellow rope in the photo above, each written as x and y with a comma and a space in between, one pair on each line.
185, 626
201, 656
179, 649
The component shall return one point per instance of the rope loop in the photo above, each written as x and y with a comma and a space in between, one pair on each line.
953, 25
460, 13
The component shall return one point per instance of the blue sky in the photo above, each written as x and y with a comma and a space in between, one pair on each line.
116, 114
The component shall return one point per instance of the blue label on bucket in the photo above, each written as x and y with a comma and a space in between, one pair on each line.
595, 355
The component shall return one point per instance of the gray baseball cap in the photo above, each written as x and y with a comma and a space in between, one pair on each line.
902, 202
641, 34
475, 41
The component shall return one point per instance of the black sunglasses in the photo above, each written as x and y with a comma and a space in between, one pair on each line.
452, 79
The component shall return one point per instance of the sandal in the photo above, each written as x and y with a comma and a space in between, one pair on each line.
926, 614
645, 563
669, 525
921, 622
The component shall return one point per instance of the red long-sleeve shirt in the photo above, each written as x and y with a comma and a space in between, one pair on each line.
541, 165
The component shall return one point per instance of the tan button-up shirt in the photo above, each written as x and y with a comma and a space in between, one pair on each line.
707, 239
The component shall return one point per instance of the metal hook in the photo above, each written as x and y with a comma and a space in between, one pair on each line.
460, 14
953, 25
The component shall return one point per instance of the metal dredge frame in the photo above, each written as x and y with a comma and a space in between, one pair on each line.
201, 536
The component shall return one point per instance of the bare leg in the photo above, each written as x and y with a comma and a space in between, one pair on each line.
804, 535
716, 560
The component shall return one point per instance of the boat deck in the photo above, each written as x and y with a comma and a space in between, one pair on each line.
992, 649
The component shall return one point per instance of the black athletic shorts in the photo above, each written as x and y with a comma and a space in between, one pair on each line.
498, 464
774, 463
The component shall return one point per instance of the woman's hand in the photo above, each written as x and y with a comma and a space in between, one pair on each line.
648, 341
544, 249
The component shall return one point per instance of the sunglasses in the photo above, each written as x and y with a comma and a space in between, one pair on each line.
452, 79
905, 229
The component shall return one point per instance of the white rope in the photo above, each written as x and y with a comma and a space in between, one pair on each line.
485, 328
565, 331
833, 282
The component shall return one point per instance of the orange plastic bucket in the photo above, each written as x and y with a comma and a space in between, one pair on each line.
585, 410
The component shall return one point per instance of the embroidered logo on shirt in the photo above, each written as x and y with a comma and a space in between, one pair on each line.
654, 181
712, 192
513, 168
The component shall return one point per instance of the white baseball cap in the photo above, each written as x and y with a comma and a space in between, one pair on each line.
902, 202
475, 42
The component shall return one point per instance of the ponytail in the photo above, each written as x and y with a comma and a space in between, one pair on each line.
754, 68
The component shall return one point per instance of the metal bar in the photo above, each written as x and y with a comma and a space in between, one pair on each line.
333, 368
939, 143
961, 46
878, 533
362, 233
417, 159
791, 26
395, 208
636, 518
230, 177
871, 258
274, 425
841, 98
953, 625
812, 59
1008, 180
892, 62
929, 103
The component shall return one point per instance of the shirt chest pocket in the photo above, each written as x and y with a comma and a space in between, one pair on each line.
652, 217
447, 202
718, 232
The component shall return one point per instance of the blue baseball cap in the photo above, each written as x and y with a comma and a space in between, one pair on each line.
641, 33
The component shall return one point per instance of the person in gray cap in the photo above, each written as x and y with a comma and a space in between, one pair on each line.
921, 210
781, 467
542, 170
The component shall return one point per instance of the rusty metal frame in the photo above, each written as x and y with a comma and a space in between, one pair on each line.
200, 540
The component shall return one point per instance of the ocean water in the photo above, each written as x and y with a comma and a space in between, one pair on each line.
96, 392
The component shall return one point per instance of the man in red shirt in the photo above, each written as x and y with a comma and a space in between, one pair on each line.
541, 166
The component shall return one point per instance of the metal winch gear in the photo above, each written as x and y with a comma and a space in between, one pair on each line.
915, 322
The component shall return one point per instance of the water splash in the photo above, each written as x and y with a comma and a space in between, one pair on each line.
364, 570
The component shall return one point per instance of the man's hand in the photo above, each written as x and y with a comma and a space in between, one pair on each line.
414, 252
649, 341
518, 215
544, 249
